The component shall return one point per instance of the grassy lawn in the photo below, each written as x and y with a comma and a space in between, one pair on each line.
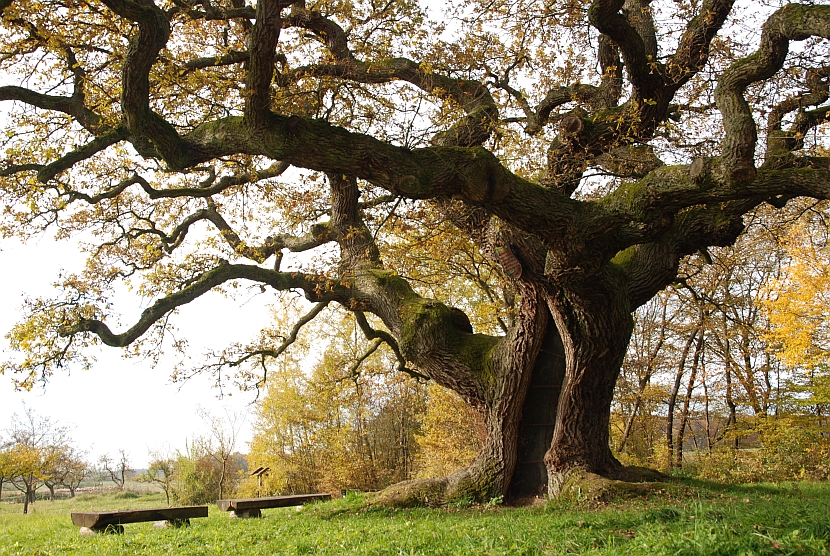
690, 518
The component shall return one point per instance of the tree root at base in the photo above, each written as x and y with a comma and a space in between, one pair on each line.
627, 482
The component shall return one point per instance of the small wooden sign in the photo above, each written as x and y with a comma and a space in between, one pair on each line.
512, 266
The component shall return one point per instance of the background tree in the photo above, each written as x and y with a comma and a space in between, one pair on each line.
198, 474
5, 464
117, 469
74, 469
223, 433
162, 472
53, 468
349, 424
451, 436
34, 449
797, 313
584, 149
746, 413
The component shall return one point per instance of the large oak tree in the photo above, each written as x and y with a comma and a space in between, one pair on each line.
584, 146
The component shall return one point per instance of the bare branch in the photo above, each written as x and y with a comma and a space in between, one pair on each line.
355, 367
320, 234
209, 188
318, 289
82, 153
233, 57
261, 355
385, 337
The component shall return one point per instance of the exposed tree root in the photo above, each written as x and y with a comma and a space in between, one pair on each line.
628, 482
476, 483
471, 485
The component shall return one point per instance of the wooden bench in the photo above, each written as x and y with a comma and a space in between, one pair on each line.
96, 522
251, 507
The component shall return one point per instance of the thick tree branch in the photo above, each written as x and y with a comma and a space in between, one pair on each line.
67, 105
793, 22
693, 48
359, 250
780, 142
652, 266
606, 17
420, 330
633, 32
472, 96
150, 133
18, 168
264, 37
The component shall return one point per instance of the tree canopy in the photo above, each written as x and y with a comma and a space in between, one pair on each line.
491, 190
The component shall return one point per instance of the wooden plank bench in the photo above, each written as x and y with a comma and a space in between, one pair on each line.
96, 522
251, 507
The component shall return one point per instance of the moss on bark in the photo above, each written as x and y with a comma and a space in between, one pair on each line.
632, 482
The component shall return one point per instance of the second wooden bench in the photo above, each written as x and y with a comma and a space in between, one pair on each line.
252, 507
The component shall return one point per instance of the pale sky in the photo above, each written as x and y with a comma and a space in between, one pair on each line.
122, 403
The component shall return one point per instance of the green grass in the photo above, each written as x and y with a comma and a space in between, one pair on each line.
690, 518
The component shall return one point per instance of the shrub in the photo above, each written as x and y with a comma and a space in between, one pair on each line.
791, 448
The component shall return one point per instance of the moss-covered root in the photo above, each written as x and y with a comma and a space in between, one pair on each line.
630, 482
477, 483
417, 492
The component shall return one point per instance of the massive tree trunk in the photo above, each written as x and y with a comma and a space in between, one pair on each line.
550, 403
594, 319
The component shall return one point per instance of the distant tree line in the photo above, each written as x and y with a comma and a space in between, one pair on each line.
727, 373
37, 452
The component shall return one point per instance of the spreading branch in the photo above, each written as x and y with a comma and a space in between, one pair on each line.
317, 289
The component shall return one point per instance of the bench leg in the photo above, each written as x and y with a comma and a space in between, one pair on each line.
245, 514
111, 529
164, 524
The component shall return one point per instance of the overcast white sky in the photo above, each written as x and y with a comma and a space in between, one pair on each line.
121, 403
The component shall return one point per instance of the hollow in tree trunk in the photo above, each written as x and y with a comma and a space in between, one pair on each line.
519, 412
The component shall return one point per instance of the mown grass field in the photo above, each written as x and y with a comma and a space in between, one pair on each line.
688, 518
